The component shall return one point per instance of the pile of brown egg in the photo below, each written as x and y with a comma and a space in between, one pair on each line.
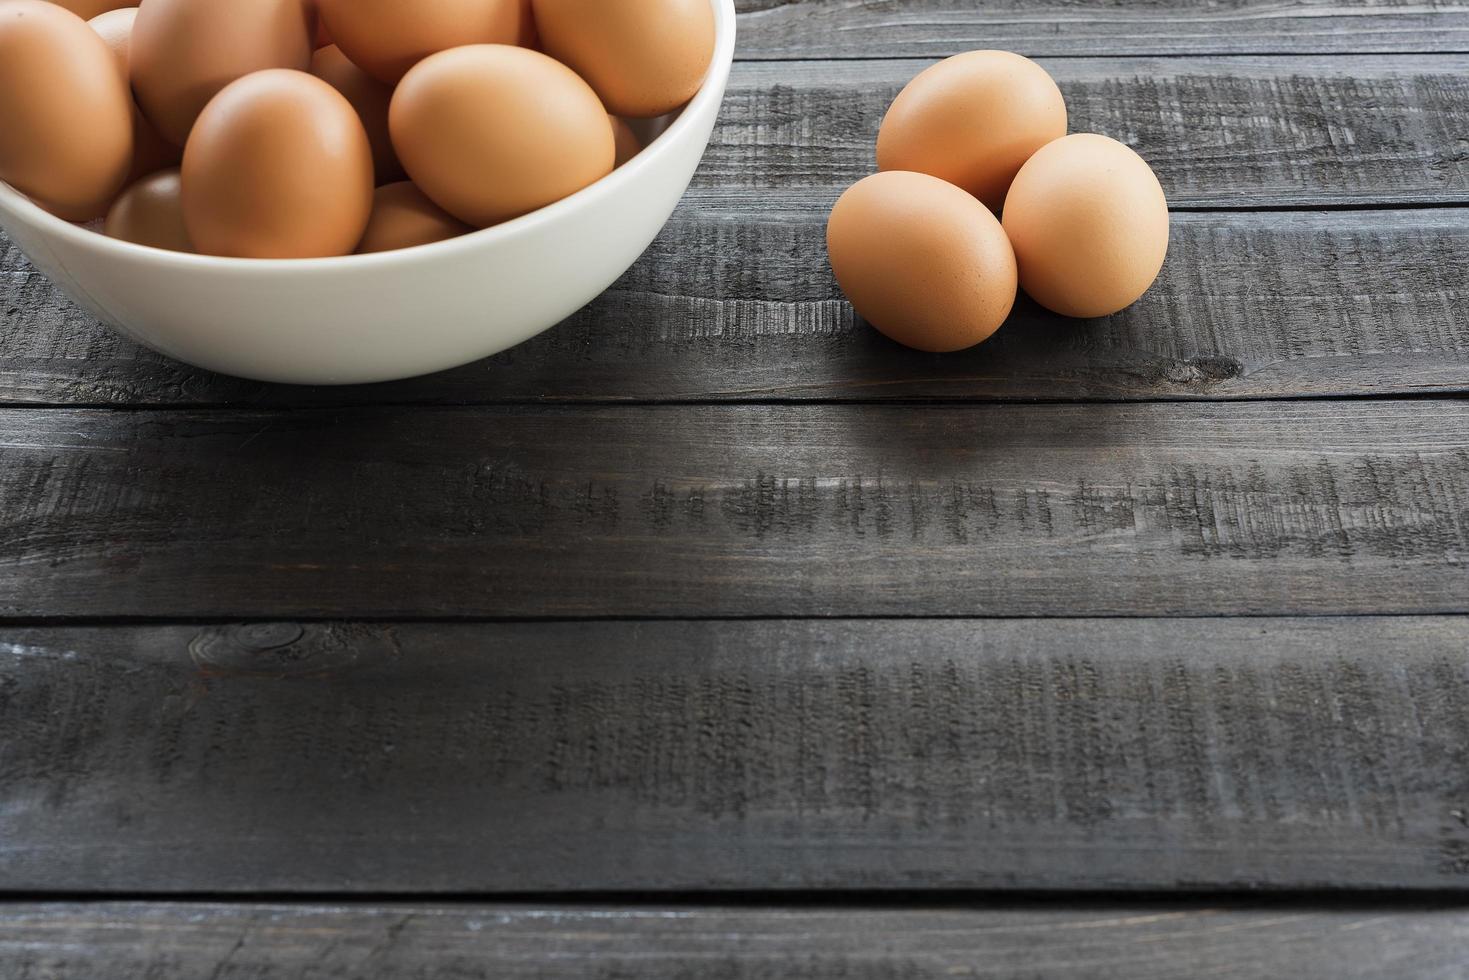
306, 128
981, 193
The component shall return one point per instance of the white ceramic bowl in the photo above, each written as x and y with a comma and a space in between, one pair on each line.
365, 318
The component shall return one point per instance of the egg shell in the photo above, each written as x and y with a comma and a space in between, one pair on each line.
1089, 224
278, 166
921, 260
403, 216
491, 131
973, 120
66, 127
643, 57
151, 152
626, 141
387, 37
370, 98
87, 9
150, 212
185, 51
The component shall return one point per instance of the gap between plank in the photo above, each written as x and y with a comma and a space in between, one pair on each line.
1325, 207
573, 404
939, 899
104, 621
1120, 55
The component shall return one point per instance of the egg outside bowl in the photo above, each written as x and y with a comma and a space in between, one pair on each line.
365, 318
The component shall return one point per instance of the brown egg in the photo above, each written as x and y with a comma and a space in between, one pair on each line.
402, 217
116, 28
921, 260
388, 37
87, 9
973, 120
278, 166
370, 98
150, 212
625, 140
643, 57
490, 131
185, 51
1089, 224
66, 128
151, 152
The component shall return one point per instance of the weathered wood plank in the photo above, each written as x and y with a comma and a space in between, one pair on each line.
736, 301
730, 307
1161, 509
1241, 132
1061, 940
908, 754
867, 28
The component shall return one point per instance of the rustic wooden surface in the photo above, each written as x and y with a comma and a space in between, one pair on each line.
765, 604
754, 510
539, 757
725, 308
510, 942
936, 28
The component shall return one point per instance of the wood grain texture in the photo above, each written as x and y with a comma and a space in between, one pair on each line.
736, 301
1061, 941
866, 28
1239, 132
910, 754
726, 306
1163, 509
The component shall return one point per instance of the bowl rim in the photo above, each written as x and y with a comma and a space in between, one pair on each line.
711, 90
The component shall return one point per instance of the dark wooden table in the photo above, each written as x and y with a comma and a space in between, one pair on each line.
710, 634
